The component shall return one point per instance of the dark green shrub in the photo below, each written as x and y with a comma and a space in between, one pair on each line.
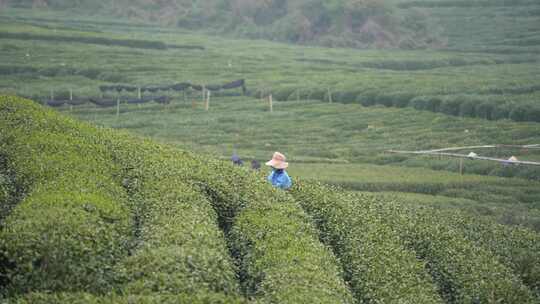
519, 113
401, 99
319, 94
419, 102
181, 248
371, 253
367, 98
450, 106
429, 103
279, 256
281, 259
516, 247
144, 44
283, 94
533, 113
467, 108
485, 110
150, 298
74, 223
344, 97
464, 272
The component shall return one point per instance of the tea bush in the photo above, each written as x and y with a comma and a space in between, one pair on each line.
180, 246
464, 272
73, 224
378, 267
144, 44
125, 220
151, 298
280, 257
304, 271
516, 247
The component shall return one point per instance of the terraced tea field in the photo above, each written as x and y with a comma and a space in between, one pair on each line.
158, 224
92, 214
41, 52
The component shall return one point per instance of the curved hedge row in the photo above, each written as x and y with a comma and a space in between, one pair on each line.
464, 105
290, 266
85, 234
143, 44
153, 298
7, 192
378, 267
74, 223
517, 247
281, 259
181, 248
464, 272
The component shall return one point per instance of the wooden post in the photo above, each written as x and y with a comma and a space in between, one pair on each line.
461, 166
270, 103
139, 92
203, 93
207, 104
329, 96
70, 99
117, 107
184, 91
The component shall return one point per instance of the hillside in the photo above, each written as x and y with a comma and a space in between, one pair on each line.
336, 23
92, 214
104, 217
467, 83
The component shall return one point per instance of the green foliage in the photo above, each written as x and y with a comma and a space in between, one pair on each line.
269, 270
378, 267
74, 222
464, 272
152, 298
180, 246
143, 44
280, 257
516, 247
351, 23
177, 245
7, 193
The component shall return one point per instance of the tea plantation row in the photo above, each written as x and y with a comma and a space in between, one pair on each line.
465, 83
160, 235
470, 260
109, 218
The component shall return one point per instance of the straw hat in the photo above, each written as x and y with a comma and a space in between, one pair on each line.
278, 161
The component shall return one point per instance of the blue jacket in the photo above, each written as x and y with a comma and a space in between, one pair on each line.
280, 179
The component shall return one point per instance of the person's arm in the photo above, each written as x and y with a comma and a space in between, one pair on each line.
270, 177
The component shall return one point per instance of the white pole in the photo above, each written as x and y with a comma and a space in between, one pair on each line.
70, 99
270, 103
207, 105
329, 96
203, 92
